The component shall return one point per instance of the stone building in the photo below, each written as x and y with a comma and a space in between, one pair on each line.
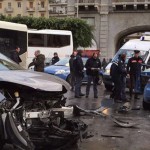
112, 20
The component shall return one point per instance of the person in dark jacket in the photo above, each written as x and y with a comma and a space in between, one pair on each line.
134, 67
55, 59
93, 65
118, 75
79, 74
38, 61
15, 55
104, 63
72, 57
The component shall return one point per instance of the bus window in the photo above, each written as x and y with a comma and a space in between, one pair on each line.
58, 40
9, 39
36, 40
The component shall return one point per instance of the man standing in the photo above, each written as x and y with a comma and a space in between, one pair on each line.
123, 74
72, 57
79, 74
93, 65
38, 61
15, 55
134, 70
55, 59
118, 76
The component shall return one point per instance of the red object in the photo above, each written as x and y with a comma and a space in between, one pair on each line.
89, 53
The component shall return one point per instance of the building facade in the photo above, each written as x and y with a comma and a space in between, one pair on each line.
35, 8
111, 19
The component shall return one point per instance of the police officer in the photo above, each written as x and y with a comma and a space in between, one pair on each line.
72, 57
118, 76
93, 65
123, 75
79, 74
134, 70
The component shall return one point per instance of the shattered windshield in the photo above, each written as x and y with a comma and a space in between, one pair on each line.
7, 64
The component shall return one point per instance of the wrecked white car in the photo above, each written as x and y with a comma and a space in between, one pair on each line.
31, 112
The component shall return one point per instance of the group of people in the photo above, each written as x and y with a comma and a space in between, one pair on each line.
38, 61
93, 65
119, 72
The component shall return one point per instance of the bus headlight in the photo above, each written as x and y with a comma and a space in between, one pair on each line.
60, 72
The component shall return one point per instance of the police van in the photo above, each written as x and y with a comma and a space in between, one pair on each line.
142, 44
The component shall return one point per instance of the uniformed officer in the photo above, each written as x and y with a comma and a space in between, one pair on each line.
118, 76
134, 70
79, 74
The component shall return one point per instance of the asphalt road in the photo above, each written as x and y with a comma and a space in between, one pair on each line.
106, 135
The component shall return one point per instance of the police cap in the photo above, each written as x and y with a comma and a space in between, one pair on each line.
136, 51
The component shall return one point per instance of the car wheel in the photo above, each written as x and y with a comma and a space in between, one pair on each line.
145, 105
100, 80
69, 79
108, 87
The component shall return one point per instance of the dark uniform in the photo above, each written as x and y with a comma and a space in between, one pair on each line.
55, 59
118, 76
134, 70
79, 74
72, 82
39, 63
93, 75
15, 57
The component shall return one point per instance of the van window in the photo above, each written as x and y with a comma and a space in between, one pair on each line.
130, 53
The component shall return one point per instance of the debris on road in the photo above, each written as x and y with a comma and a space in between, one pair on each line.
125, 124
116, 136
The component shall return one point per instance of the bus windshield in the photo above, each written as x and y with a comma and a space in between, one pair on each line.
11, 36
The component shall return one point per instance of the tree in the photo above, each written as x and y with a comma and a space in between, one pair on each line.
81, 31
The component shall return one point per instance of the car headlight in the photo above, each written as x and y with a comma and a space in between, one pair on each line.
107, 71
60, 72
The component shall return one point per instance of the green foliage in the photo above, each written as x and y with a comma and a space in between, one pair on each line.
81, 31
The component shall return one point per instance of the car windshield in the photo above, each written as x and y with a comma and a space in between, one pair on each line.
7, 64
65, 62
129, 54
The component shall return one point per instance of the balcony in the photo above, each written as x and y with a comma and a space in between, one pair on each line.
57, 13
57, 2
87, 5
30, 9
41, 9
9, 9
131, 4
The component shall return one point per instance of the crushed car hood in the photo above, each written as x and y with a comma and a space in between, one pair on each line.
36, 80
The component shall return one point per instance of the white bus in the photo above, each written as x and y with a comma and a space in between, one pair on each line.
49, 41
12, 35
